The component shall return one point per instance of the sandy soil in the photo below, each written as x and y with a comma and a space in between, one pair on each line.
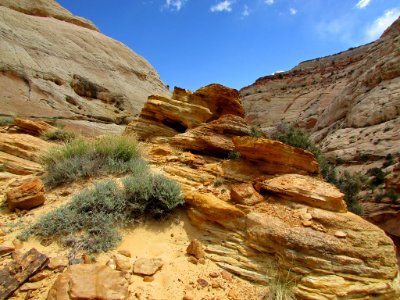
167, 239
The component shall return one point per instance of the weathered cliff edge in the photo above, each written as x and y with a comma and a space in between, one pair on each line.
56, 65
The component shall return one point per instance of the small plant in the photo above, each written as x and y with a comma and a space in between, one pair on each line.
378, 177
256, 132
234, 154
6, 120
2, 167
91, 220
393, 196
219, 181
79, 158
59, 135
351, 185
281, 288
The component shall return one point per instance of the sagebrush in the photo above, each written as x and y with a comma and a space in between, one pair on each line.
93, 217
86, 158
59, 135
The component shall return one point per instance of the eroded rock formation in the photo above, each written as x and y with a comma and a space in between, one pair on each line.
298, 223
349, 102
56, 65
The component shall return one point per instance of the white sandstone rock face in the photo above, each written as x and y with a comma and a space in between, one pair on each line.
53, 64
349, 102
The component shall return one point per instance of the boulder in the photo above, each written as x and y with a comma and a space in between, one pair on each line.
35, 128
26, 196
90, 282
214, 138
174, 113
274, 157
244, 193
220, 100
147, 266
307, 190
212, 207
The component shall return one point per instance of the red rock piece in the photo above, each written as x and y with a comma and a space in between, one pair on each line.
244, 193
33, 127
196, 249
26, 196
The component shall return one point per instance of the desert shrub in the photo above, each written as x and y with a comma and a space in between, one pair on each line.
378, 177
218, 181
351, 185
6, 120
93, 217
392, 195
85, 158
296, 137
234, 154
2, 167
59, 135
281, 288
256, 132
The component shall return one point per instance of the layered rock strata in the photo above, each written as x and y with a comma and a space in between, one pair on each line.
349, 102
298, 223
56, 65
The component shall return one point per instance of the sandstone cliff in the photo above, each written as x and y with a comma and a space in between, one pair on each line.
349, 102
56, 65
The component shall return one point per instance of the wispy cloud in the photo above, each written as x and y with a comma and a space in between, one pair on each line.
269, 2
375, 29
225, 5
293, 11
174, 4
246, 11
341, 29
363, 4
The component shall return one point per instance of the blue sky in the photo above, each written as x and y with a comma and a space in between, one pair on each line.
192, 43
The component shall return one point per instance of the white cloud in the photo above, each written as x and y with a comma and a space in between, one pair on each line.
363, 4
246, 11
174, 4
375, 30
269, 2
225, 5
293, 11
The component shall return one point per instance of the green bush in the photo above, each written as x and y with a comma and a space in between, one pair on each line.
218, 181
233, 154
256, 132
351, 185
91, 220
81, 158
296, 137
378, 177
59, 135
6, 120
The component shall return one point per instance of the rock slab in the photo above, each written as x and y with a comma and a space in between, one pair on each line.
307, 190
89, 282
